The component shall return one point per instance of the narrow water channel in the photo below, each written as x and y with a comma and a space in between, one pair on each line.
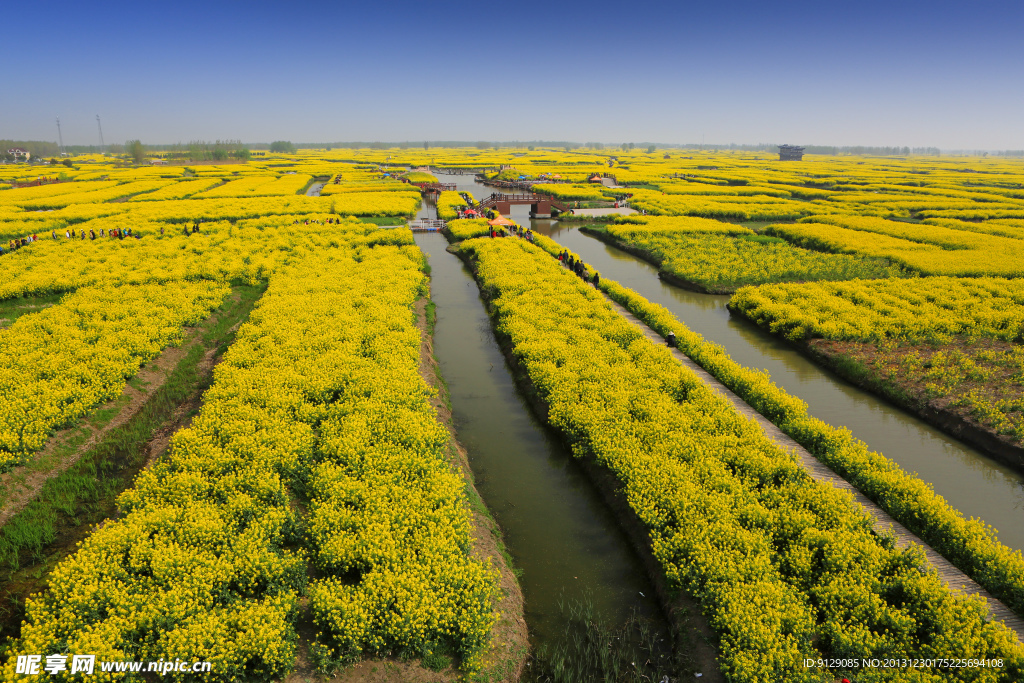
556, 527
969, 480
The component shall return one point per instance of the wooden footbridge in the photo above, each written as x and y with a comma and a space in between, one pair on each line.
435, 188
540, 204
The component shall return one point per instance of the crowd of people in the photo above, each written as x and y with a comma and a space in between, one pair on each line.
514, 230
565, 258
116, 233
71, 234
79, 234
577, 266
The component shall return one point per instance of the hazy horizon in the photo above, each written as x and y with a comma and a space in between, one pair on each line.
875, 74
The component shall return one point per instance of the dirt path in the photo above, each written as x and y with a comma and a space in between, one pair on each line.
151, 411
21, 485
621, 211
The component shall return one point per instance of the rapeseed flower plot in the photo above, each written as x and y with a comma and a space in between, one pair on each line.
722, 257
448, 201
927, 249
933, 309
178, 190
27, 195
59, 363
465, 228
731, 517
94, 196
248, 250
320, 393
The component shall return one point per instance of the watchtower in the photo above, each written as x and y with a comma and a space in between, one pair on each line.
791, 153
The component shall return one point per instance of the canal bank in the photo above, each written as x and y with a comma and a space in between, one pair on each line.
569, 545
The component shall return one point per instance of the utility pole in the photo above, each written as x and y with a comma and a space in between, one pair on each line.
60, 139
98, 125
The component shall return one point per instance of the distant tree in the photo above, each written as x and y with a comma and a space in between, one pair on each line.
426, 145
282, 147
136, 152
220, 154
650, 150
67, 162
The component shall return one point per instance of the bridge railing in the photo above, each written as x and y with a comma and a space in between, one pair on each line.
426, 224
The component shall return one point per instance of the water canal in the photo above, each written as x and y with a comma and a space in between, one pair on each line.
968, 479
556, 526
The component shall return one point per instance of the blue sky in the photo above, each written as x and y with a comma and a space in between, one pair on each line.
946, 74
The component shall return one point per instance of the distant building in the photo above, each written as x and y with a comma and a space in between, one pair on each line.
19, 154
791, 153
158, 162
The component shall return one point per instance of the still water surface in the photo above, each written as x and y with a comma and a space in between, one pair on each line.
556, 526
